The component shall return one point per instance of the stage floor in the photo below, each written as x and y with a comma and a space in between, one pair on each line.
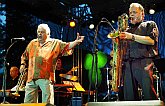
128, 103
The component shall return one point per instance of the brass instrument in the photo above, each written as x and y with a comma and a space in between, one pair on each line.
117, 53
21, 81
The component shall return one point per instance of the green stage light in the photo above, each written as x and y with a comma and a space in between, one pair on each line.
93, 80
88, 61
102, 59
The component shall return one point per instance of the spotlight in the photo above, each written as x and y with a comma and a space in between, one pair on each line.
151, 11
91, 26
113, 21
72, 23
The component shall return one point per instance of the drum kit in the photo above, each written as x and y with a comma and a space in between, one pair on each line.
64, 88
70, 77
66, 76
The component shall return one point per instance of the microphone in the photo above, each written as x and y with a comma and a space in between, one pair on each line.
19, 38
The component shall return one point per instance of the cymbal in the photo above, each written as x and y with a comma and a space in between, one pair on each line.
69, 77
8, 90
74, 68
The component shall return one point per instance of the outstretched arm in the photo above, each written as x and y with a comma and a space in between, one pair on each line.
78, 40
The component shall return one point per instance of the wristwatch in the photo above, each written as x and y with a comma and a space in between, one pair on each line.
133, 37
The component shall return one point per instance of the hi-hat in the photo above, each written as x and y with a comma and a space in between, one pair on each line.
69, 77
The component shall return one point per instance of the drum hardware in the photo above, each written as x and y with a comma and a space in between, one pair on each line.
58, 86
59, 92
108, 83
156, 76
159, 64
69, 77
8, 93
72, 70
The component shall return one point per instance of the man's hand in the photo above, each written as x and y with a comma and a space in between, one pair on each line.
79, 38
125, 35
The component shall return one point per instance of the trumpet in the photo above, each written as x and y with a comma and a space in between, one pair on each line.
21, 81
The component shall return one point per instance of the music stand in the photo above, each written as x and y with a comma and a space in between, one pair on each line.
76, 86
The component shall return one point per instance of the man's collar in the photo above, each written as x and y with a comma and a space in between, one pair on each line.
135, 25
47, 40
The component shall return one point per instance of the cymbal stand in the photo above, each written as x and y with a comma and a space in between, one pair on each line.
108, 91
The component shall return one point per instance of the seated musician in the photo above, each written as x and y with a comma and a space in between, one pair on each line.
13, 79
59, 70
11, 85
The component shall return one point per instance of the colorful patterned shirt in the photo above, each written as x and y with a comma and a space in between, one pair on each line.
42, 59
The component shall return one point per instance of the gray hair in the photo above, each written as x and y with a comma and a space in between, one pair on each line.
137, 5
46, 27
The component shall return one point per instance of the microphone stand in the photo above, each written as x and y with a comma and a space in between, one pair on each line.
95, 62
5, 74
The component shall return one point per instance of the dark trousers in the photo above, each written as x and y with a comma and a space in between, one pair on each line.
136, 75
162, 86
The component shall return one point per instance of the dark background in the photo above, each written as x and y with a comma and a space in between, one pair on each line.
23, 16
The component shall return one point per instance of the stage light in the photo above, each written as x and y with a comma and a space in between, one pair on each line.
91, 26
151, 11
102, 60
88, 65
72, 23
113, 21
